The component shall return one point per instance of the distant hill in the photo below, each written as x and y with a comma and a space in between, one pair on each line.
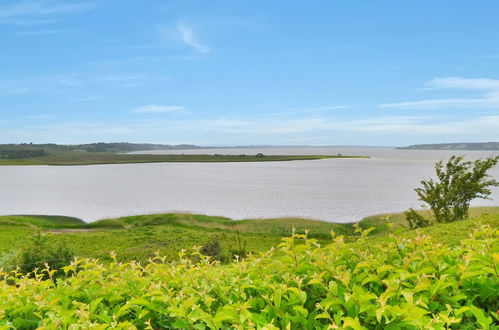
454, 146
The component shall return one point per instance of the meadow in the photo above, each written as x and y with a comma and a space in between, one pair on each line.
140, 237
329, 276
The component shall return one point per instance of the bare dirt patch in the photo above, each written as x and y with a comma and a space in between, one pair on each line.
69, 231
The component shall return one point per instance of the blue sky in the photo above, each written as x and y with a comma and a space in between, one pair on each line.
249, 72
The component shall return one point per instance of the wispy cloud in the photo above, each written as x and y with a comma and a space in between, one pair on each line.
36, 33
119, 80
42, 8
489, 98
70, 83
271, 130
455, 103
481, 84
321, 110
147, 46
20, 90
327, 108
271, 127
26, 22
88, 98
159, 108
40, 116
186, 34
489, 56
132, 59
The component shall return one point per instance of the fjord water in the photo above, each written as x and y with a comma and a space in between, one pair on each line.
337, 190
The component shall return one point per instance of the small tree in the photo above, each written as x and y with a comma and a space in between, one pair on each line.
458, 183
212, 248
41, 252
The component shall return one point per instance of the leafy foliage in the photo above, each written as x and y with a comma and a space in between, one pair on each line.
212, 248
416, 220
41, 253
459, 182
399, 283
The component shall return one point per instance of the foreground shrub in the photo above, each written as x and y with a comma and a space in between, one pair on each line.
458, 183
396, 284
40, 252
416, 220
213, 249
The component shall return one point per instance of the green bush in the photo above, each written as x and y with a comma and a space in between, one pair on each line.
398, 283
458, 183
42, 253
416, 220
212, 248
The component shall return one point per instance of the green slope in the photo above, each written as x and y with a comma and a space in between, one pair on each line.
140, 237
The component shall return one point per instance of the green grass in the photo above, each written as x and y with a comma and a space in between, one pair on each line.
91, 158
448, 233
277, 227
16, 229
43, 221
140, 237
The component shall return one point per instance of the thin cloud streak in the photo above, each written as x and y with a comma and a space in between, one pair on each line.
47, 84
322, 109
37, 33
159, 108
489, 99
27, 22
42, 8
327, 108
392, 124
481, 84
88, 98
273, 130
436, 104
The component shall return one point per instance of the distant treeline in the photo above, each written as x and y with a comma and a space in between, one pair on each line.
455, 146
32, 149
121, 147
21, 153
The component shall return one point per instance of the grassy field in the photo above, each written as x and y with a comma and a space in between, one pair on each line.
140, 237
91, 158
450, 233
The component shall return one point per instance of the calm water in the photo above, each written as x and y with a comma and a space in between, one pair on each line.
340, 190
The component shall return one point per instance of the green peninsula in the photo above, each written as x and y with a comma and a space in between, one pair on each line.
117, 153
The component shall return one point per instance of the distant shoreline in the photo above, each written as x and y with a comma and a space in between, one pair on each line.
483, 146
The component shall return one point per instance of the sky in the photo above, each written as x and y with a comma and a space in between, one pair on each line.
278, 72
